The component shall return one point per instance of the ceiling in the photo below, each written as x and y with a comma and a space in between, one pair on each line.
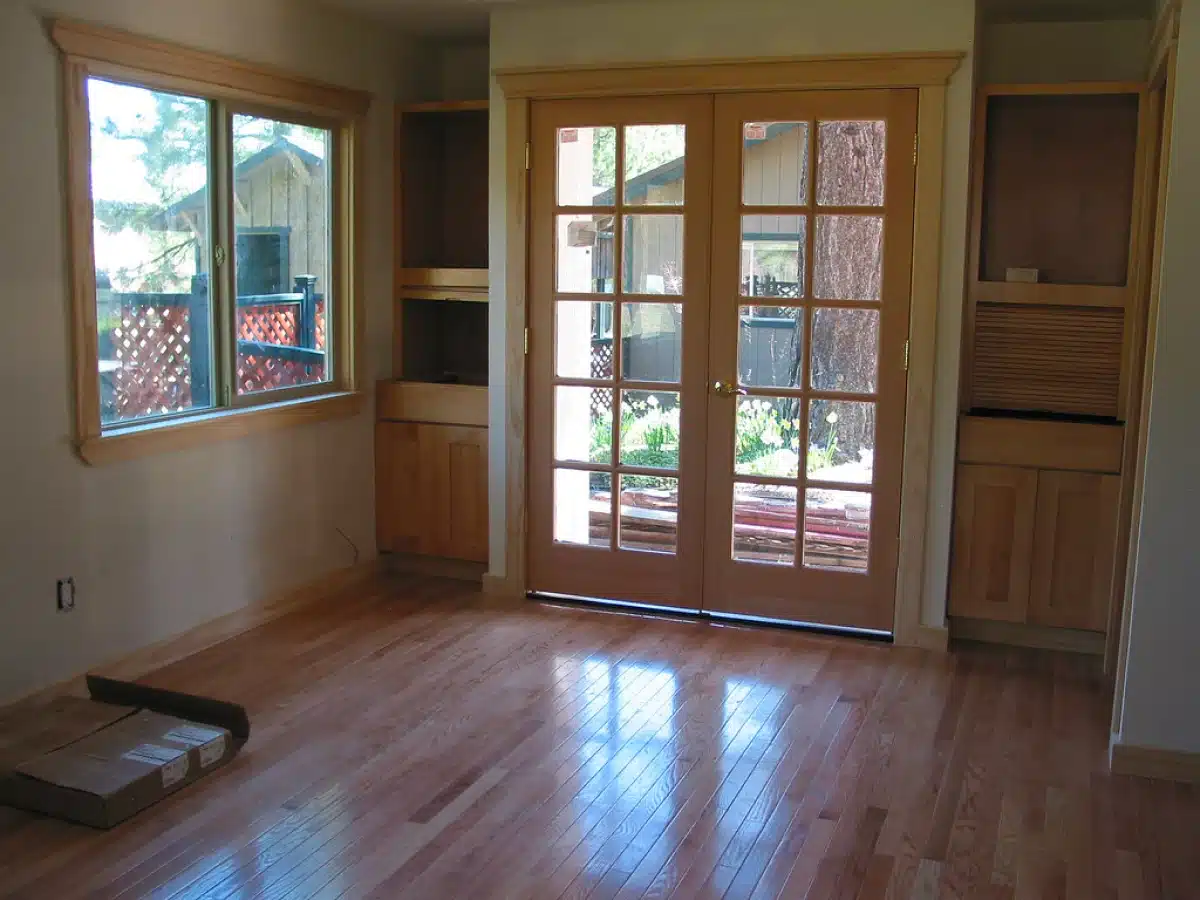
470, 17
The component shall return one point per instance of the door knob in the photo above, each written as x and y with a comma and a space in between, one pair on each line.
727, 389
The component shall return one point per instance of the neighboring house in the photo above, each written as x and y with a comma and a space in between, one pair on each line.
280, 203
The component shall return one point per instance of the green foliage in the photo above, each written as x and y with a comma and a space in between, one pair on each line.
172, 145
644, 150
767, 441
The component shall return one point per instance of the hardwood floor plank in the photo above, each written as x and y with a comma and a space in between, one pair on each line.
410, 742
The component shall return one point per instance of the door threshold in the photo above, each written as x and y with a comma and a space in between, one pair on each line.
656, 611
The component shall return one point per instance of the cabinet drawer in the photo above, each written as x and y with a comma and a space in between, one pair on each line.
441, 404
1075, 446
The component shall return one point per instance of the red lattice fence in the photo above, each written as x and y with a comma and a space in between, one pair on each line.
146, 364
152, 346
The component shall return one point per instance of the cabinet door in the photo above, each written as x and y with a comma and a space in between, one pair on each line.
399, 504
454, 464
993, 542
1074, 542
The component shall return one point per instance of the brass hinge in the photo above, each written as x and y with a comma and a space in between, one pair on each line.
526, 341
906, 356
226, 398
528, 154
219, 255
916, 143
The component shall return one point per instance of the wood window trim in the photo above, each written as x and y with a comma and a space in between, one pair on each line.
930, 73
90, 50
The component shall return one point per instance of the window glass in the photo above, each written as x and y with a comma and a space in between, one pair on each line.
149, 181
283, 224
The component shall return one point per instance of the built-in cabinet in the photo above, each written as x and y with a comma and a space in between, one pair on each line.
1034, 546
1053, 335
432, 490
431, 433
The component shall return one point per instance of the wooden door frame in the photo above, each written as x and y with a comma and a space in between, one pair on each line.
929, 74
1161, 82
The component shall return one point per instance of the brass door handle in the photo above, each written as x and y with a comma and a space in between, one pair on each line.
727, 389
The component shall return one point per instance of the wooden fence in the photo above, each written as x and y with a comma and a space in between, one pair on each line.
155, 358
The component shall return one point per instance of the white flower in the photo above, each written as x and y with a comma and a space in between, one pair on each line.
832, 418
652, 400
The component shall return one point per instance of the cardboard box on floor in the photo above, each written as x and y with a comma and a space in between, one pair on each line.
100, 761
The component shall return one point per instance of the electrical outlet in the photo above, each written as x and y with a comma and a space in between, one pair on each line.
66, 594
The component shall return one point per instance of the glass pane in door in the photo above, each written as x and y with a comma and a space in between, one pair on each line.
587, 166
848, 263
649, 513
767, 436
770, 346
773, 249
841, 441
585, 261
652, 341
850, 167
845, 350
775, 168
654, 165
583, 507
583, 339
650, 429
764, 523
837, 530
652, 254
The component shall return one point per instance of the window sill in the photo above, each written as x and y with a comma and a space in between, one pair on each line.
145, 440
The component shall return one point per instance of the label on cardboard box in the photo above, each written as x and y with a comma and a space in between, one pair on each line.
210, 742
174, 762
175, 771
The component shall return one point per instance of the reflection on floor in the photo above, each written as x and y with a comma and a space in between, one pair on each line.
411, 742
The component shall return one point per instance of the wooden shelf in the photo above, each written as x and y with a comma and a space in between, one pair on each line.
439, 404
1041, 294
442, 278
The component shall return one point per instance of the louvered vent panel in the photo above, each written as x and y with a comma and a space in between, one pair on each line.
1052, 359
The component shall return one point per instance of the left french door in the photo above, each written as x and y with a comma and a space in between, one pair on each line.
620, 225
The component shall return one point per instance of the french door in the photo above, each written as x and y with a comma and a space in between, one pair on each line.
719, 311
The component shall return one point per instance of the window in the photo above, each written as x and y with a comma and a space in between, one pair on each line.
213, 247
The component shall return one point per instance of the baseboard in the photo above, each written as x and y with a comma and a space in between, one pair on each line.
433, 566
172, 649
1019, 634
1154, 762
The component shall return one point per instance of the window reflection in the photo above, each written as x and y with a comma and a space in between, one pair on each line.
626, 751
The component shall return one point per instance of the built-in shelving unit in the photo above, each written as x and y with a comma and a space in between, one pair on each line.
1054, 311
1054, 180
431, 438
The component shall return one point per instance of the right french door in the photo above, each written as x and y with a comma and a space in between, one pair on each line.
717, 375
808, 325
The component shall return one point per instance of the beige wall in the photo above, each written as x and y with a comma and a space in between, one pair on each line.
580, 33
159, 545
1066, 51
1162, 680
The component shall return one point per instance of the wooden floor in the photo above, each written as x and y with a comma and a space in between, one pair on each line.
409, 742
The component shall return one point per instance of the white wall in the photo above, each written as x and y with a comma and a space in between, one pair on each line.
1066, 51
162, 544
695, 29
1162, 675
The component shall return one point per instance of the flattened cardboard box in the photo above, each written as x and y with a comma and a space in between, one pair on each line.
100, 763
